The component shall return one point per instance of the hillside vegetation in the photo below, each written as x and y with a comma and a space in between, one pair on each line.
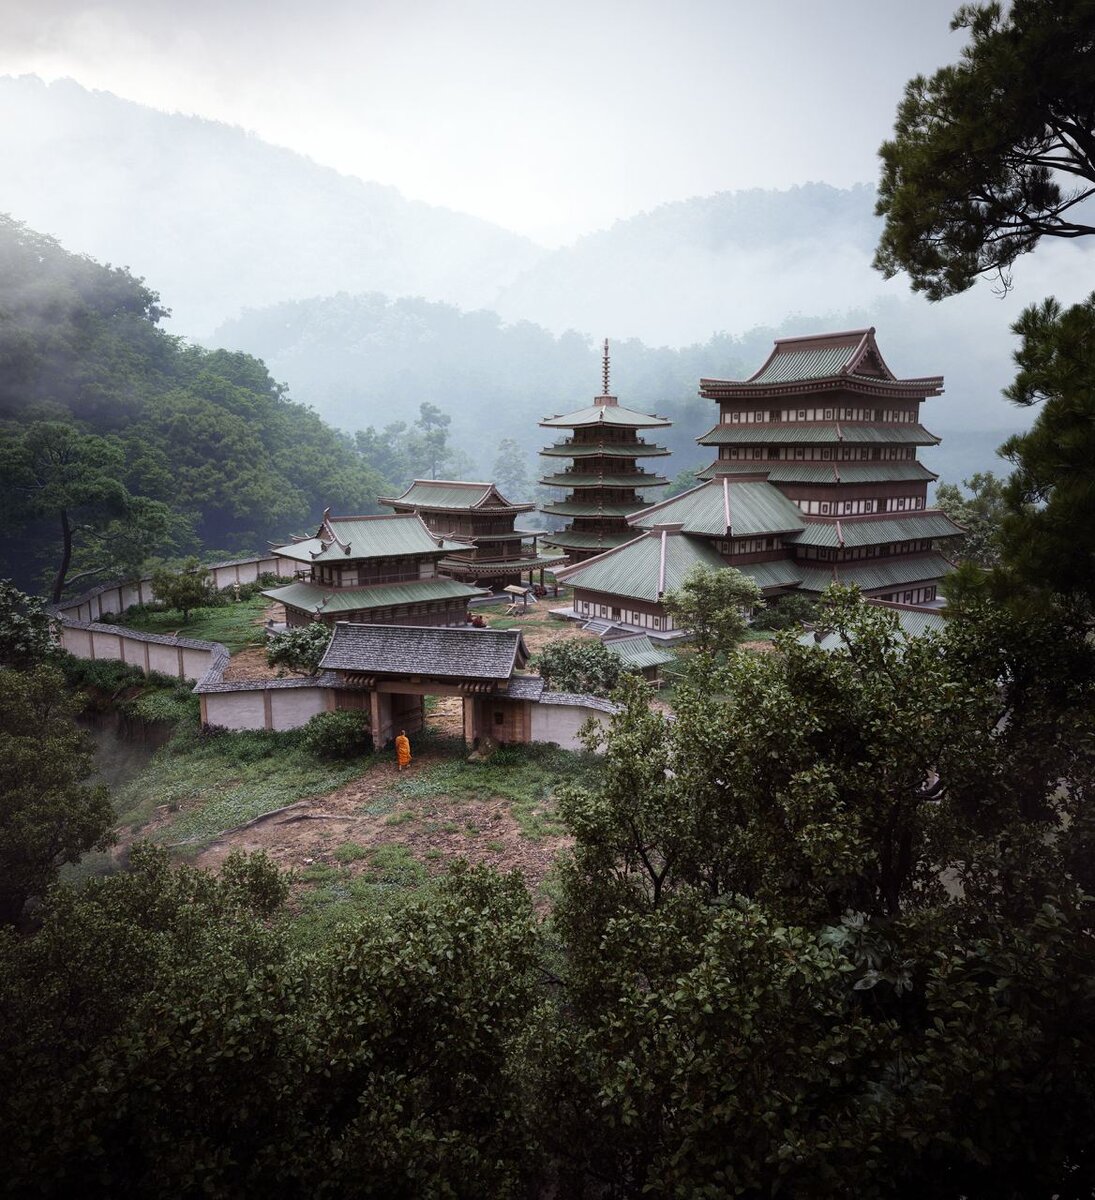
207, 434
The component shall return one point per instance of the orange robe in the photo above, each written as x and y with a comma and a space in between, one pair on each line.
402, 750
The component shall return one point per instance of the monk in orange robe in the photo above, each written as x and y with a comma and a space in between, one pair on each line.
402, 749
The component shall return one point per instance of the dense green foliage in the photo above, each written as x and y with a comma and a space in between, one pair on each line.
980, 513
789, 611
107, 423
185, 588
994, 153
825, 933
713, 605
26, 629
1049, 531
828, 931
579, 665
49, 814
338, 735
171, 1042
299, 649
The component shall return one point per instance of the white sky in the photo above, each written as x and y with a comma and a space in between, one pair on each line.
552, 119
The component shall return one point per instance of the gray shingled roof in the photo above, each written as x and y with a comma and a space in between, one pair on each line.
425, 650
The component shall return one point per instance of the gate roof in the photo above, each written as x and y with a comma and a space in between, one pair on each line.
439, 652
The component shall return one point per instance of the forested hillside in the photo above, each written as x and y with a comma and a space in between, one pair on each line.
128, 441
220, 219
369, 360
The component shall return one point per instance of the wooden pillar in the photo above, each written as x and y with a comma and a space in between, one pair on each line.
267, 709
469, 722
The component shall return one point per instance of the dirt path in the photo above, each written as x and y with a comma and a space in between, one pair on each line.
434, 829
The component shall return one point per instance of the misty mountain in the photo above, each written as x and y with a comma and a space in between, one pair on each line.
220, 219
371, 360
727, 262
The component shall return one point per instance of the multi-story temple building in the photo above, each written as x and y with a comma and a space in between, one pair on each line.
816, 481
602, 479
479, 521
377, 569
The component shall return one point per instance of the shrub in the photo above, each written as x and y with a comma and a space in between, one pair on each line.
788, 611
338, 735
299, 649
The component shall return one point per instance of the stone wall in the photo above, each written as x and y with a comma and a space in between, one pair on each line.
558, 716
184, 658
114, 598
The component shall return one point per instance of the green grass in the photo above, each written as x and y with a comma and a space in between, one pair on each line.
337, 897
525, 776
216, 782
350, 852
232, 623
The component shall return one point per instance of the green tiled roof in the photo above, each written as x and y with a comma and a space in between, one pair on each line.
849, 356
634, 569
817, 433
804, 364
370, 537
451, 493
605, 414
313, 598
753, 508
776, 573
640, 653
571, 508
875, 532
871, 576
303, 551
908, 470
568, 539
607, 449
636, 479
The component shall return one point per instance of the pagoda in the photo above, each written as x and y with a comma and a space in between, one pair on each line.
480, 522
816, 482
375, 569
602, 479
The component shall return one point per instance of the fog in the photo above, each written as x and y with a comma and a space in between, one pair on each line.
683, 180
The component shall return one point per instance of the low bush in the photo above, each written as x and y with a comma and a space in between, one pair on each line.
788, 611
338, 735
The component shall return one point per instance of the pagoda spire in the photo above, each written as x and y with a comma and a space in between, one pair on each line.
604, 398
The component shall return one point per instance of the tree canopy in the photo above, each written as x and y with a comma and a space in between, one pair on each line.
995, 152
137, 440
713, 606
49, 813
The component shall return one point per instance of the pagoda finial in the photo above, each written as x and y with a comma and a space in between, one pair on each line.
604, 398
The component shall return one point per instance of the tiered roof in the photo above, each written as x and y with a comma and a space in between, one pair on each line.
316, 598
345, 539
848, 361
645, 567
606, 411
446, 495
726, 508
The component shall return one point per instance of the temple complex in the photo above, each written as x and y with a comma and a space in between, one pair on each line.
377, 569
816, 481
602, 480
479, 521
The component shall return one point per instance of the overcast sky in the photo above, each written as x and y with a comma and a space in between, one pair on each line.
551, 119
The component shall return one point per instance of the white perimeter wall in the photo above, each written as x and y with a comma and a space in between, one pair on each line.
559, 723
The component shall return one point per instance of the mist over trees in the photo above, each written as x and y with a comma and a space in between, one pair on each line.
221, 220
119, 441
704, 283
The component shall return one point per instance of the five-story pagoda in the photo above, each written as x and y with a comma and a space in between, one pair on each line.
603, 480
